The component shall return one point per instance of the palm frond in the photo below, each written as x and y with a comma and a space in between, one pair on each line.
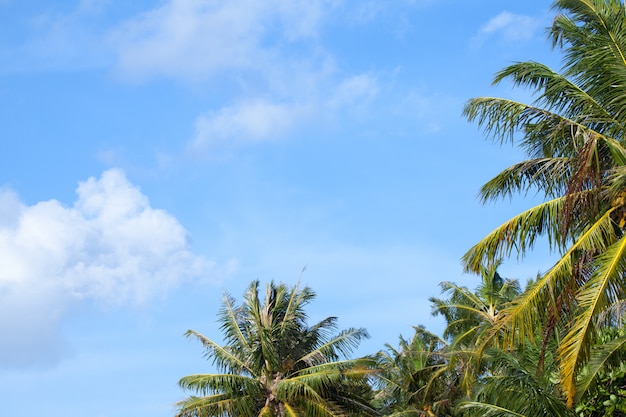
605, 286
222, 357
340, 345
557, 93
489, 410
602, 357
217, 405
518, 319
520, 233
219, 383
231, 323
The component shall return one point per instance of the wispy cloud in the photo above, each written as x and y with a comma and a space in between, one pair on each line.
509, 27
110, 247
263, 120
59, 40
199, 38
355, 91
248, 121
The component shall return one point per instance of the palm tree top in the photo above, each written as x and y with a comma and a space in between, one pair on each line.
273, 363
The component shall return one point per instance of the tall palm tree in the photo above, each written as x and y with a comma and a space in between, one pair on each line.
273, 364
573, 136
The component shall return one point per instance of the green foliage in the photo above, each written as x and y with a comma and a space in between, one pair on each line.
415, 380
273, 364
469, 314
516, 386
602, 383
573, 139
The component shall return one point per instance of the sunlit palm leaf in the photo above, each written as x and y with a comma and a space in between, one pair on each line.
518, 319
519, 233
606, 285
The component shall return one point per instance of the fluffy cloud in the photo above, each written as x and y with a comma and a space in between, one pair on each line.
110, 247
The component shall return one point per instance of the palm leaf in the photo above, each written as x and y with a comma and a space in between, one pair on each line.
605, 286
601, 358
518, 320
221, 356
520, 233
342, 344
490, 410
219, 383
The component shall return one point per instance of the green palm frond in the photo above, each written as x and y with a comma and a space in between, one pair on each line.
299, 394
489, 410
358, 367
221, 356
518, 320
217, 405
606, 286
573, 135
416, 376
219, 383
558, 94
603, 357
548, 175
339, 346
230, 322
593, 32
513, 387
502, 118
519, 233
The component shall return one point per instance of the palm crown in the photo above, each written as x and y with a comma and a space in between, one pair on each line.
274, 364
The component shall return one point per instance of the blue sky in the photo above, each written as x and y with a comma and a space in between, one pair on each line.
158, 153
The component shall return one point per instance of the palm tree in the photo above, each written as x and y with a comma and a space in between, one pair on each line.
514, 388
274, 364
415, 381
573, 136
469, 314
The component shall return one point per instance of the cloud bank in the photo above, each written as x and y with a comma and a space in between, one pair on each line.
110, 247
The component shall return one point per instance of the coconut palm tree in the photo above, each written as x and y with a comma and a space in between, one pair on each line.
573, 136
274, 364
415, 381
514, 388
469, 314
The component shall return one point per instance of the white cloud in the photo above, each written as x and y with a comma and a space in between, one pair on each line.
110, 247
511, 27
245, 122
354, 91
198, 38
260, 120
